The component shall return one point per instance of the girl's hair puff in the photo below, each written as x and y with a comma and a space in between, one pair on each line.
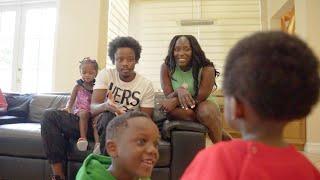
88, 60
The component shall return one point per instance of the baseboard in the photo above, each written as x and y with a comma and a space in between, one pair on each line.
312, 148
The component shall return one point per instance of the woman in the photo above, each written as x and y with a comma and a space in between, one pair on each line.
187, 80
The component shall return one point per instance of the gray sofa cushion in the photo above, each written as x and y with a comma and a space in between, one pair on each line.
18, 104
11, 120
41, 102
22, 140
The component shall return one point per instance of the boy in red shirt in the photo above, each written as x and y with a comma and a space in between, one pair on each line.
271, 79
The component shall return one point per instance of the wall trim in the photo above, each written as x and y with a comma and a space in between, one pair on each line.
312, 148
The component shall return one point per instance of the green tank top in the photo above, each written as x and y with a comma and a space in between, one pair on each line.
185, 79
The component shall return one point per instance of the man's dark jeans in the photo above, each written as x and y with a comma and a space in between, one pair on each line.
58, 127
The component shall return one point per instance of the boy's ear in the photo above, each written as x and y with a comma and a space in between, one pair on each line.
239, 108
111, 148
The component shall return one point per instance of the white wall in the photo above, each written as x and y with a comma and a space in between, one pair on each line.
308, 28
77, 36
103, 31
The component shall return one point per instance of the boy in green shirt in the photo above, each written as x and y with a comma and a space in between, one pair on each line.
132, 143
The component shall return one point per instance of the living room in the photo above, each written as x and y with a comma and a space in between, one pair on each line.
77, 29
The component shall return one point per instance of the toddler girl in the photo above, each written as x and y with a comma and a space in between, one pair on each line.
79, 103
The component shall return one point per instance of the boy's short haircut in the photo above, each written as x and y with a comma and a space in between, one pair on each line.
123, 42
120, 122
278, 74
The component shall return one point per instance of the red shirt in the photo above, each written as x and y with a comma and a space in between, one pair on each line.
248, 160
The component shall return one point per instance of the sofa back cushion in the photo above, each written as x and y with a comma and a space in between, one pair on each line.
18, 104
41, 102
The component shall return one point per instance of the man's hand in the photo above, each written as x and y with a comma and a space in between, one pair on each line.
67, 109
111, 106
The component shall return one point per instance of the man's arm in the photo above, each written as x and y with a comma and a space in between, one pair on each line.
147, 101
99, 105
149, 111
97, 101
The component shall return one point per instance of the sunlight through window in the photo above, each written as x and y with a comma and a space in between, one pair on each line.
38, 50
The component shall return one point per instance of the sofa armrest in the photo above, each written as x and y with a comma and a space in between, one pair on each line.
185, 146
176, 125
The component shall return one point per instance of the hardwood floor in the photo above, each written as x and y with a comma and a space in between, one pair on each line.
314, 158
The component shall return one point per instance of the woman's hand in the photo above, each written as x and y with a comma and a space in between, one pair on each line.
167, 105
185, 98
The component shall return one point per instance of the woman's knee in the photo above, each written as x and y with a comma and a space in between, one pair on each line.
208, 112
182, 114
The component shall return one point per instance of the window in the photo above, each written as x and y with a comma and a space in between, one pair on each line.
27, 31
118, 21
7, 26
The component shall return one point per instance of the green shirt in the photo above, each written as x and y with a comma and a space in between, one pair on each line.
185, 78
95, 167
